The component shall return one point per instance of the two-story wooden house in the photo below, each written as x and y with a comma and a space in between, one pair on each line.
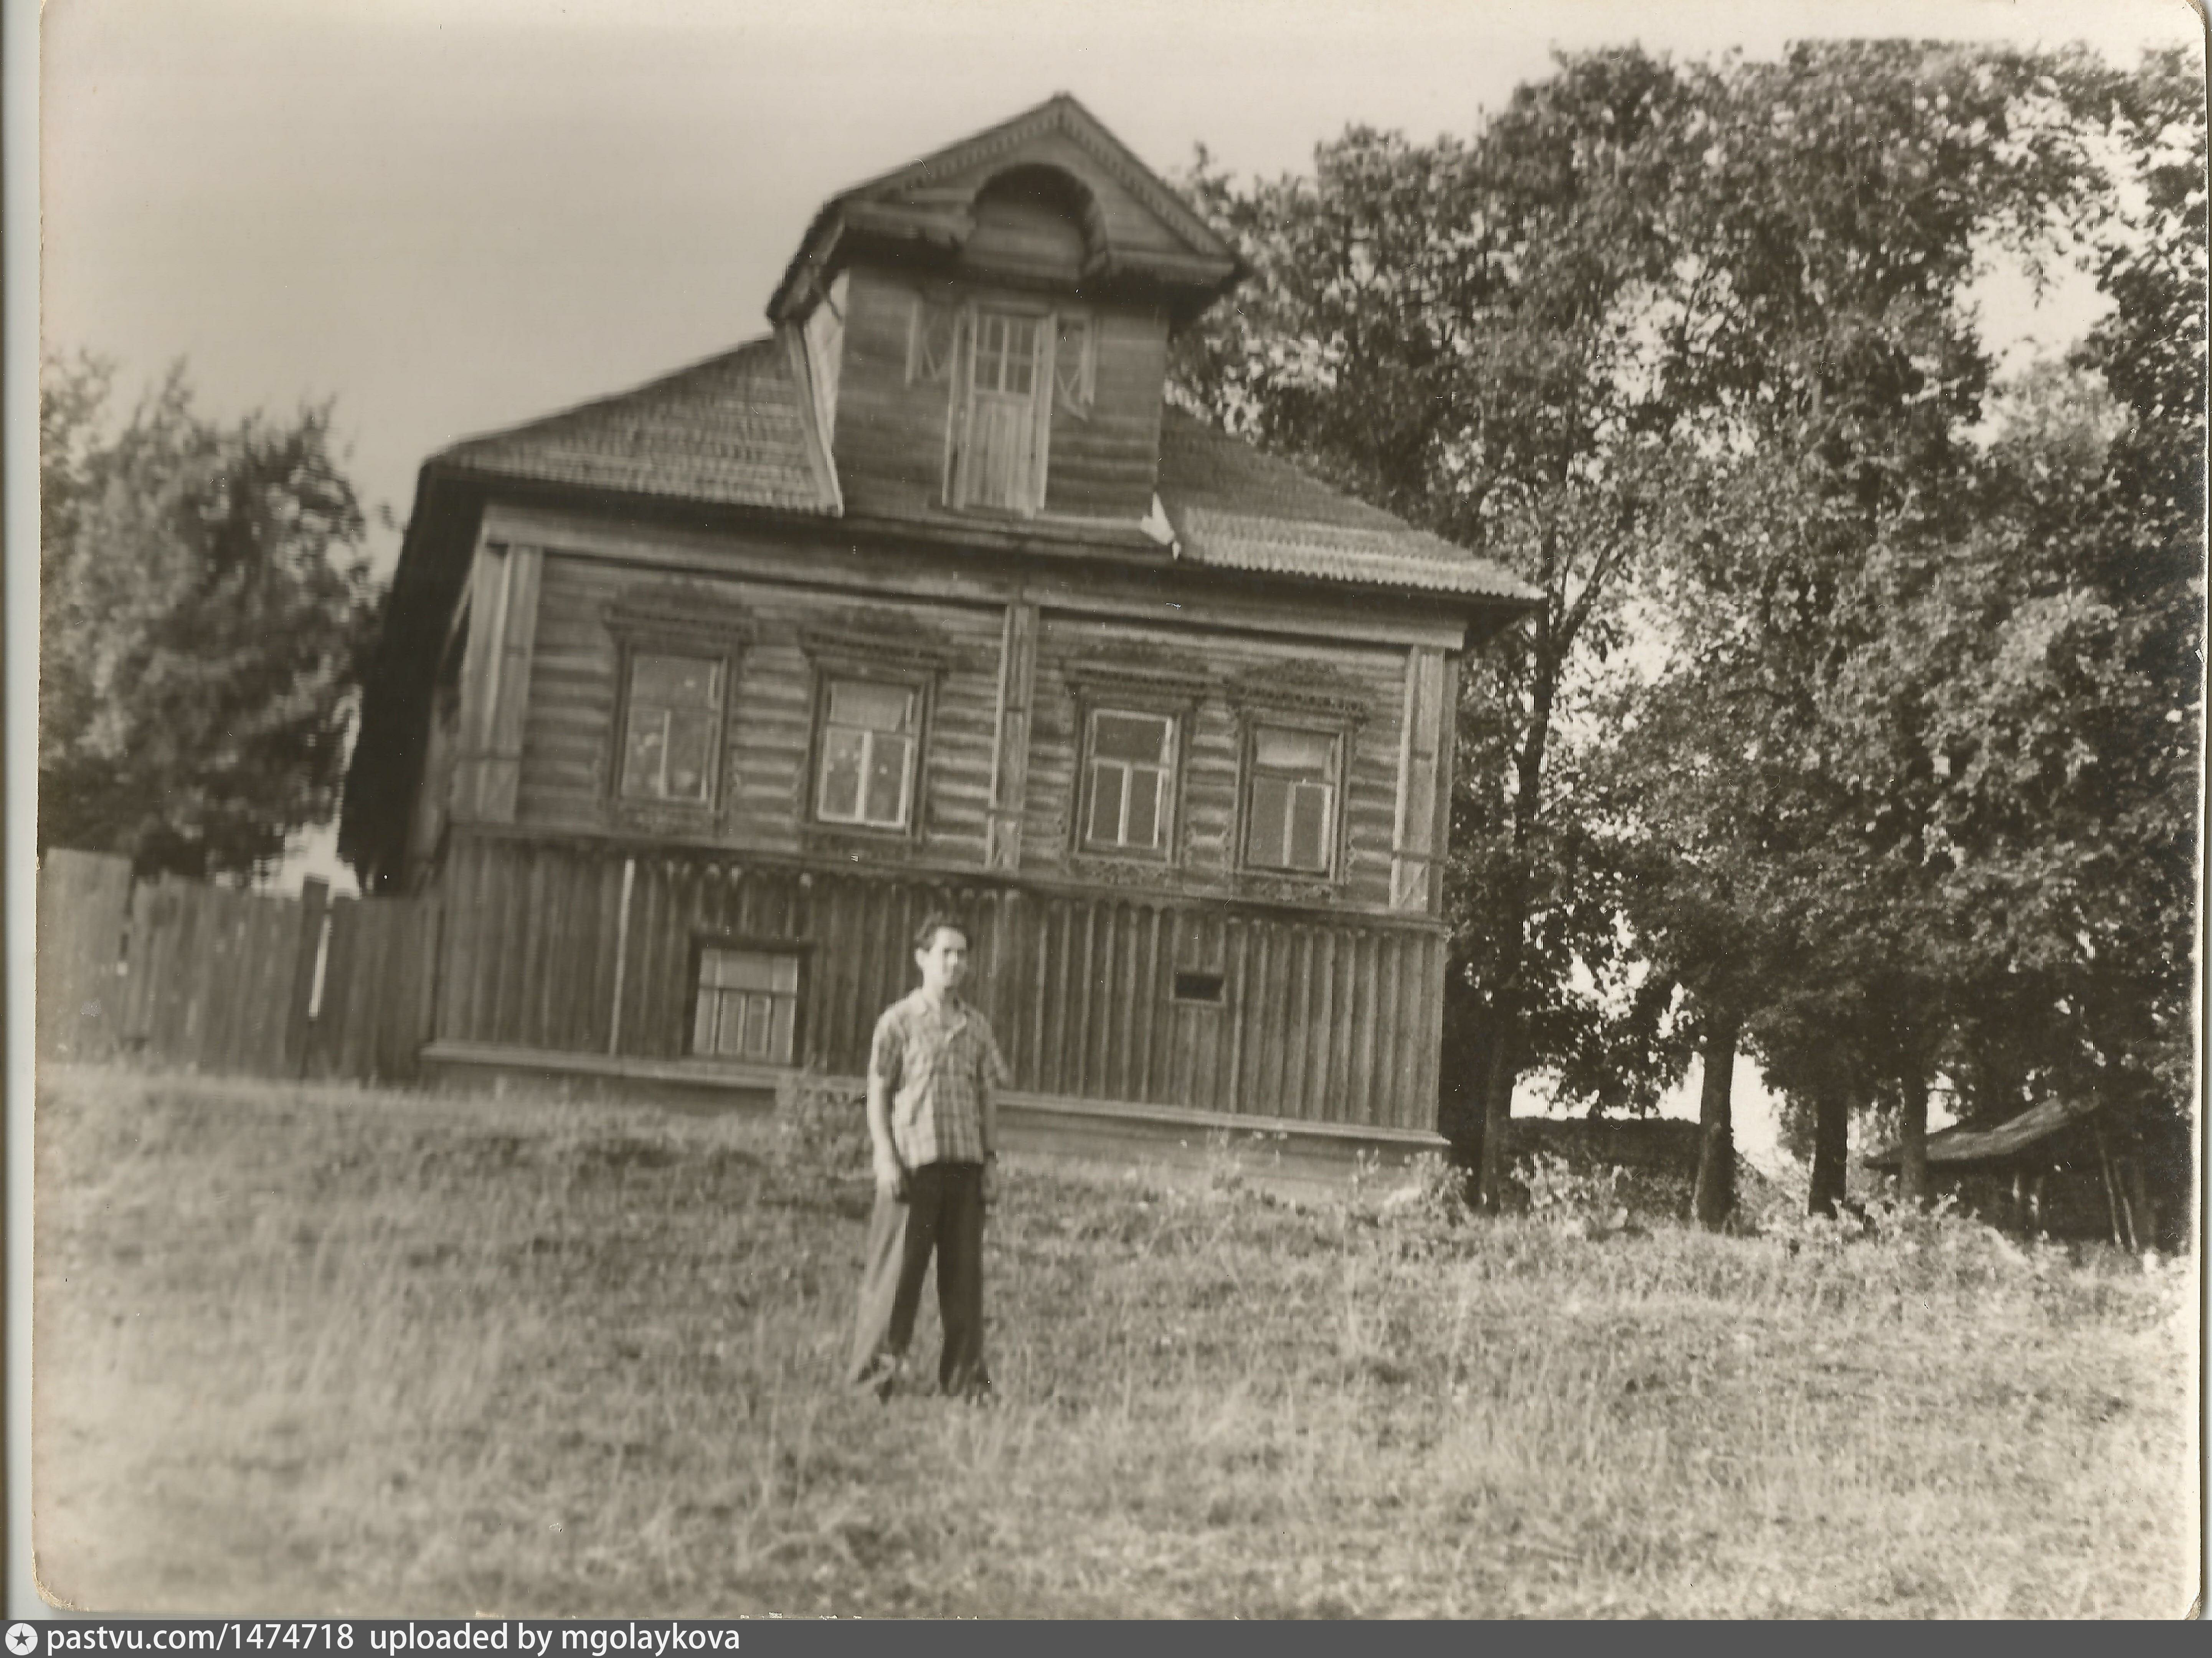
691, 702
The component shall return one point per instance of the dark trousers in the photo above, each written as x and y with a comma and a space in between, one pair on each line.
942, 1214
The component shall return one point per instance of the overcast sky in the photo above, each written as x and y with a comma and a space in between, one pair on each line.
453, 216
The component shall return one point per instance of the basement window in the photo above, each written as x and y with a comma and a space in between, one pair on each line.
748, 1005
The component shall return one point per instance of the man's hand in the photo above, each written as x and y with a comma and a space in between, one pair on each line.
890, 1176
990, 1184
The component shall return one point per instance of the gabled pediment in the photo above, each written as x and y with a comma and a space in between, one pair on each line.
1130, 232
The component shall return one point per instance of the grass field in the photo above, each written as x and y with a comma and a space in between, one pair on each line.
321, 1350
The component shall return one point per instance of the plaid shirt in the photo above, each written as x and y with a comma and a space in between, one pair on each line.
939, 1064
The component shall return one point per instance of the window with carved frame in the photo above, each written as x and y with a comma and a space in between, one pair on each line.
1129, 780
869, 751
678, 651
1293, 787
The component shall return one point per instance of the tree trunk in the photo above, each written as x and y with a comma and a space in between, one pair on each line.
1715, 1198
1832, 1145
1912, 1120
1500, 1073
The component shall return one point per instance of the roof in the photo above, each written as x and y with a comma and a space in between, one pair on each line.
1232, 506
928, 202
735, 430
1963, 1145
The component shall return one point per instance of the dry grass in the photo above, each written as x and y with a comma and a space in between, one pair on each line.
323, 1349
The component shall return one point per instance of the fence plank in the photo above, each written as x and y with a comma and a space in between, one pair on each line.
83, 900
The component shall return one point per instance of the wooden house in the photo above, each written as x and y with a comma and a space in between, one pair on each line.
691, 701
2074, 1169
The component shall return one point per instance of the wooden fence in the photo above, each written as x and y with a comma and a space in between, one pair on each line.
209, 978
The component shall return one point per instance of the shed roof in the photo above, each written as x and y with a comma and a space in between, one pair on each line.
1964, 1144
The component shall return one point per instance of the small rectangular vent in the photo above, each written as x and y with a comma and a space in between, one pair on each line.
1199, 987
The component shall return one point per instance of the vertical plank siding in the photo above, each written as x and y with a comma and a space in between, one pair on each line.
1321, 1020
83, 900
214, 979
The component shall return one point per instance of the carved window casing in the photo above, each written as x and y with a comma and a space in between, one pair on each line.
875, 690
1129, 781
871, 740
1295, 780
672, 729
679, 648
1299, 725
1132, 718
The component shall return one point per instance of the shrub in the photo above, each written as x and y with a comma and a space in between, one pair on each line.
820, 1127
1584, 1200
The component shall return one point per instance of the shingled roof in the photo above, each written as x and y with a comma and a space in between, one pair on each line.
736, 431
1232, 506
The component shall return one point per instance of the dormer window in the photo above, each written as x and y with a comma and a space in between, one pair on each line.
1008, 369
1002, 423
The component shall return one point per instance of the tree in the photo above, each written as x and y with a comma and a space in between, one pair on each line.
1452, 332
1930, 707
202, 602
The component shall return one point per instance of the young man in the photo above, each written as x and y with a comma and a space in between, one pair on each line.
933, 1077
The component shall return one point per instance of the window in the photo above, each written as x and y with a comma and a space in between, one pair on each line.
1131, 776
748, 1005
867, 761
1000, 459
933, 341
1291, 816
1071, 371
1204, 988
673, 729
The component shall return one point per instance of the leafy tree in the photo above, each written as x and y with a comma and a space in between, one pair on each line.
202, 601
1452, 330
1909, 675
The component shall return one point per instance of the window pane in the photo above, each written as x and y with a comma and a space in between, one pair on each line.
887, 780
878, 708
1311, 754
1021, 355
756, 1013
990, 351
691, 755
785, 977
730, 1023
746, 970
1309, 827
1267, 842
841, 754
702, 1027
1106, 803
779, 1039
1141, 736
1144, 807
643, 750
673, 681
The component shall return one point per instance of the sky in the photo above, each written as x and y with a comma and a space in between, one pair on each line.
447, 217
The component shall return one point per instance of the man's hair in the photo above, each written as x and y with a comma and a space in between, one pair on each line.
937, 921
